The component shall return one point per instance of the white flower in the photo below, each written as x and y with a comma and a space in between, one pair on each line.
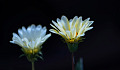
71, 30
31, 39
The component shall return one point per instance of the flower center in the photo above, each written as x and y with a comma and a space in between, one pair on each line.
72, 40
31, 51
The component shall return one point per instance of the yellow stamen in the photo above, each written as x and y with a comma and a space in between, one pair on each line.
76, 33
71, 41
35, 50
31, 51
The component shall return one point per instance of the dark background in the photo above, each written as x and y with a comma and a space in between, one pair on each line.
100, 50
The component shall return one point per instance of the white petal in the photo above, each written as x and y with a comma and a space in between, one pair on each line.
31, 44
17, 39
82, 29
91, 22
74, 21
88, 28
64, 18
24, 29
83, 26
29, 29
25, 41
59, 22
66, 22
33, 26
16, 42
38, 31
20, 33
70, 21
86, 21
77, 24
46, 37
32, 34
55, 23
62, 34
11, 41
15, 35
38, 42
81, 23
71, 35
43, 32
80, 35
25, 33
39, 27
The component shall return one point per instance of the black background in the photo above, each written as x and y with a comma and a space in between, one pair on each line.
100, 50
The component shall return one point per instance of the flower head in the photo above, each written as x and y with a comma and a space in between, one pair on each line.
71, 30
30, 39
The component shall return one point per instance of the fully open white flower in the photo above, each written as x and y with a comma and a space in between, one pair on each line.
31, 39
71, 30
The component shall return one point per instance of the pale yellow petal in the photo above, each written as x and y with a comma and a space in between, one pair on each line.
54, 27
74, 32
91, 22
63, 35
59, 22
81, 31
53, 31
68, 34
74, 21
60, 28
78, 22
66, 22
88, 28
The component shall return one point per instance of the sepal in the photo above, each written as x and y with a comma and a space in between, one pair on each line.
72, 46
21, 55
31, 56
81, 40
40, 53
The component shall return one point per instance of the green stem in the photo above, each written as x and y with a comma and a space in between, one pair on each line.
33, 65
73, 61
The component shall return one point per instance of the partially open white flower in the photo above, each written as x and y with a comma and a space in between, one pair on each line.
31, 39
71, 30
